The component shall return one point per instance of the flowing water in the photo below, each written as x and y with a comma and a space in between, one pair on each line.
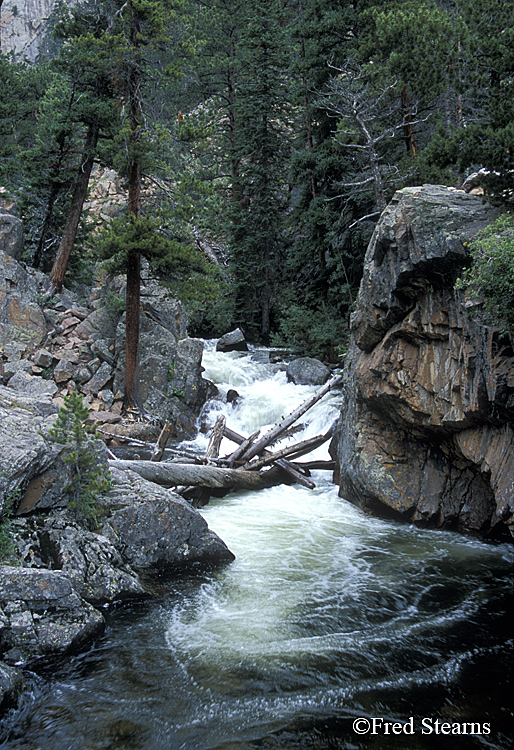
327, 616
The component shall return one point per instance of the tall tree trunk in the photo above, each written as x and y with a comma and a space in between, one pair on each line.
132, 399
408, 133
38, 253
77, 203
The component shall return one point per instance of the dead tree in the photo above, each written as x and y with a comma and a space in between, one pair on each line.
259, 467
369, 117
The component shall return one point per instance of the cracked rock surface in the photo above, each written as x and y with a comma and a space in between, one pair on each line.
426, 431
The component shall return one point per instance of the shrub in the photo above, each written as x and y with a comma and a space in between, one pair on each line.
90, 479
491, 275
7, 547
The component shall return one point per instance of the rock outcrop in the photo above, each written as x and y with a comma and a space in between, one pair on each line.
23, 24
426, 432
61, 571
75, 343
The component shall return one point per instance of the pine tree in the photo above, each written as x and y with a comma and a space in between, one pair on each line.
483, 136
87, 62
262, 112
89, 478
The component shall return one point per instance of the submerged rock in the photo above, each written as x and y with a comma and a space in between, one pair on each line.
12, 684
426, 431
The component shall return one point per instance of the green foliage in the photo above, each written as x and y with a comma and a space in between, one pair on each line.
6, 542
89, 478
7, 546
182, 268
482, 132
320, 332
114, 303
491, 275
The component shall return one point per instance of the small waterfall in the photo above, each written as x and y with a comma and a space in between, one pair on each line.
326, 615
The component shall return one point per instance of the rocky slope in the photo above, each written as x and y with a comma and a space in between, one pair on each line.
426, 431
61, 570
23, 25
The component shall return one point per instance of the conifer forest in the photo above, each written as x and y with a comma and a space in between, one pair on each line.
258, 142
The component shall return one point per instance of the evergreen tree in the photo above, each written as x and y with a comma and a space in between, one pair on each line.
417, 43
325, 256
261, 150
88, 64
483, 136
89, 478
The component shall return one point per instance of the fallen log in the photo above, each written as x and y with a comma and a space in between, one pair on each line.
161, 443
235, 456
285, 465
326, 465
200, 496
272, 434
173, 475
291, 451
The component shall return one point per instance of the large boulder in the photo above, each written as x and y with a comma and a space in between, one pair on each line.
307, 371
234, 341
96, 569
29, 463
426, 431
155, 529
11, 235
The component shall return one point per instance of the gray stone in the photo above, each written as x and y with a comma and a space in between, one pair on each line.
67, 355
103, 352
42, 406
31, 385
63, 371
94, 565
14, 350
99, 380
30, 470
11, 236
43, 358
12, 684
234, 341
20, 365
99, 325
82, 375
426, 431
94, 364
45, 616
307, 371
157, 529
107, 397
21, 318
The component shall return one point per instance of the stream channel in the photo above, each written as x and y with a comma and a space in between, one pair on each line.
327, 615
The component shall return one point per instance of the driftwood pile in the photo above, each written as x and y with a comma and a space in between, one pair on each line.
250, 466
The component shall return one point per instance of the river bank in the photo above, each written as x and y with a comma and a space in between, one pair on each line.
326, 615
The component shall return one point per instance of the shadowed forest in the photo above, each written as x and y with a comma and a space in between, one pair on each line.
258, 142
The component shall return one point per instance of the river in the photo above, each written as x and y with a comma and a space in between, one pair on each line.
331, 629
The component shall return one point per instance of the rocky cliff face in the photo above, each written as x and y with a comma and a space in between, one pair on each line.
426, 432
22, 26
